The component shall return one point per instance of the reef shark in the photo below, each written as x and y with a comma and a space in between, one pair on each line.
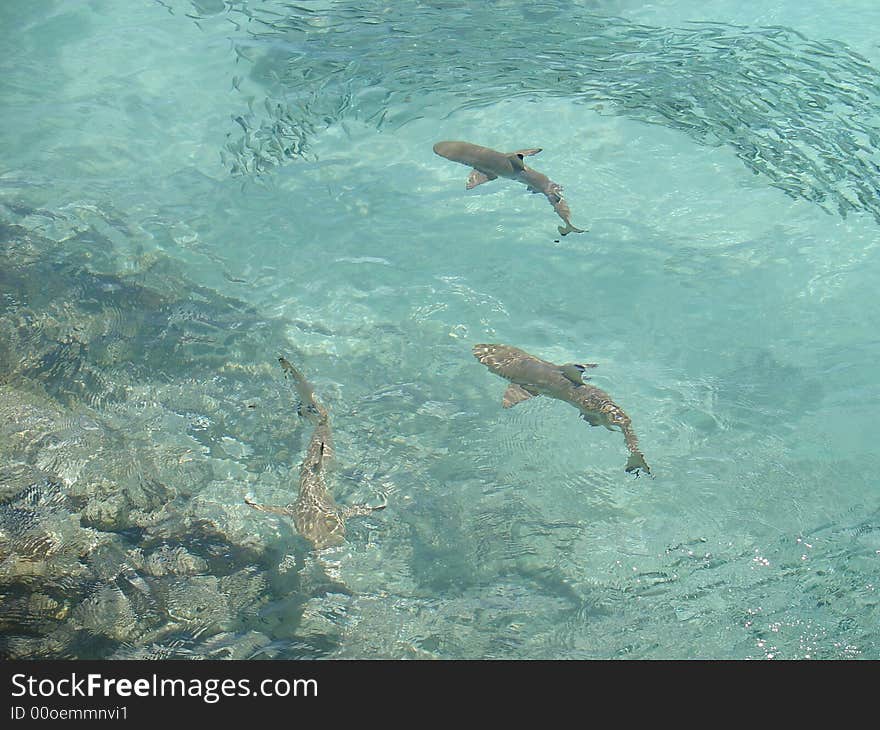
530, 376
316, 515
488, 164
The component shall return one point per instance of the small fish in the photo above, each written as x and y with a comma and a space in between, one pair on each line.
488, 164
530, 376
241, 122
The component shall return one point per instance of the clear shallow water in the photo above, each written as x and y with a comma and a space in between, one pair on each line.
189, 189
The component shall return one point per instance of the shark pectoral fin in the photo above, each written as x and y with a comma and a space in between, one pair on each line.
515, 394
478, 178
528, 153
268, 508
361, 510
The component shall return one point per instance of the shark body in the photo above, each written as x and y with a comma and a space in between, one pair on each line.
530, 376
316, 515
489, 164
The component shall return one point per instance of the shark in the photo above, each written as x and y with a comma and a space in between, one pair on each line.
489, 164
316, 515
530, 376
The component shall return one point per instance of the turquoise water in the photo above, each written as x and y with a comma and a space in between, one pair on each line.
189, 189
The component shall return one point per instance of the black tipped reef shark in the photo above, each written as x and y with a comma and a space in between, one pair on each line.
316, 515
489, 164
530, 376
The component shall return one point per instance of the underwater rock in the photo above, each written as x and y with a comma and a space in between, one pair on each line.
251, 645
109, 613
109, 515
224, 645
17, 477
133, 406
321, 624
32, 611
166, 560
216, 532
56, 644
199, 604
245, 591
40, 539
25, 418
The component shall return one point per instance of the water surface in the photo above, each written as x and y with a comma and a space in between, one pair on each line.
190, 189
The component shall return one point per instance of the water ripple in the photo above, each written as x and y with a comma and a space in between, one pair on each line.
799, 111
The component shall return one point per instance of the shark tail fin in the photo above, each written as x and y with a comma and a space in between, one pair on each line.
568, 228
636, 463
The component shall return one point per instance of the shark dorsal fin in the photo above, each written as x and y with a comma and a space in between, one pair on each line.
478, 178
516, 160
515, 394
575, 371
